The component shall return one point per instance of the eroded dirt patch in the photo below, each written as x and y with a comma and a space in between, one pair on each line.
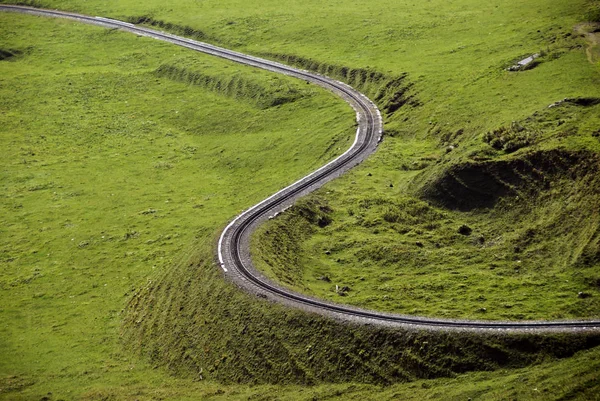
591, 32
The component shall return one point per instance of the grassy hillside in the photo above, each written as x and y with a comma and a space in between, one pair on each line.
438, 71
113, 166
485, 217
113, 201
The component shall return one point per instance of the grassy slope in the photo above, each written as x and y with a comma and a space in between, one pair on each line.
459, 81
529, 255
251, 31
455, 55
110, 173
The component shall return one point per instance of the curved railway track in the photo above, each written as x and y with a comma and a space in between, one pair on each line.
233, 246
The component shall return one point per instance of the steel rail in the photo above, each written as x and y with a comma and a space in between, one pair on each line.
233, 247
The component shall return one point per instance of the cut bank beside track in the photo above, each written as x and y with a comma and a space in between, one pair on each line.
233, 247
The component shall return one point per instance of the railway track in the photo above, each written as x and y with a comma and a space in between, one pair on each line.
233, 247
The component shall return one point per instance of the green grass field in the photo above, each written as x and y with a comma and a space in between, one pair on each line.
110, 173
123, 156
